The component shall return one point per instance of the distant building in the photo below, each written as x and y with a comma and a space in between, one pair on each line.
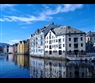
5, 49
90, 37
90, 41
1, 49
36, 47
15, 48
23, 47
65, 41
10, 49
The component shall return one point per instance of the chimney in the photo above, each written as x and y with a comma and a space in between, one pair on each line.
52, 23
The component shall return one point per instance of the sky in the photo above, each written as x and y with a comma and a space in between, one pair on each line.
18, 21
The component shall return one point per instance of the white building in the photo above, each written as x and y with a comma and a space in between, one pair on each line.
90, 41
90, 37
36, 46
10, 49
65, 40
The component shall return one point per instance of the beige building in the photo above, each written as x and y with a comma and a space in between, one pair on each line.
23, 47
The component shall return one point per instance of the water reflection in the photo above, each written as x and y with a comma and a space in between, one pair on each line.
23, 61
36, 68
20, 60
55, 69
14, 66
25, 66
80, 69
44, 68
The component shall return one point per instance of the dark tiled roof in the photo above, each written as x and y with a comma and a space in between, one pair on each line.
90, 34
44, 28
65, 30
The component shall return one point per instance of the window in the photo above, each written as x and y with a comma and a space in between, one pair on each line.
69, 45
59, 46
81, 51
69, 39
75, 45
50, 47
81, 35
63, 39
59, 40
69, 51
41, 42
47, 37
50, 42
60, 52
63, 45
50, 52
75, 39
56, 40
50, 35
81, 44
63, 51
41, 37
81, 38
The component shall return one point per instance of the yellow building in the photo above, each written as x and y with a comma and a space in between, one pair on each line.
23, 47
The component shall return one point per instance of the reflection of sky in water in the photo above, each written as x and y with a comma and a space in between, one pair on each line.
10, 69
21, 66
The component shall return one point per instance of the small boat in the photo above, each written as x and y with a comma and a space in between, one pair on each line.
84, 58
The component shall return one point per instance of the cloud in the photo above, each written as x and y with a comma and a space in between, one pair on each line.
6, 5
44, 5
2, 20
27, 20
24, 27
44, 15
11, 42
63, 8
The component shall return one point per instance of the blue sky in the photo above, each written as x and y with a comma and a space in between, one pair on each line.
18, 21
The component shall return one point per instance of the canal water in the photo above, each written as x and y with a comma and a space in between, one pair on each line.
23, 66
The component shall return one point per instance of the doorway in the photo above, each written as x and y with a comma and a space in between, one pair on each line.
76, 52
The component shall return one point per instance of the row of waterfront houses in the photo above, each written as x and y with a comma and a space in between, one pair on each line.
55, 41
19, 48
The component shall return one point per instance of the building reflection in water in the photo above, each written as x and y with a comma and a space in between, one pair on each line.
23, 61
77, 69
55, 69
36, 68
44, 68
20, 60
